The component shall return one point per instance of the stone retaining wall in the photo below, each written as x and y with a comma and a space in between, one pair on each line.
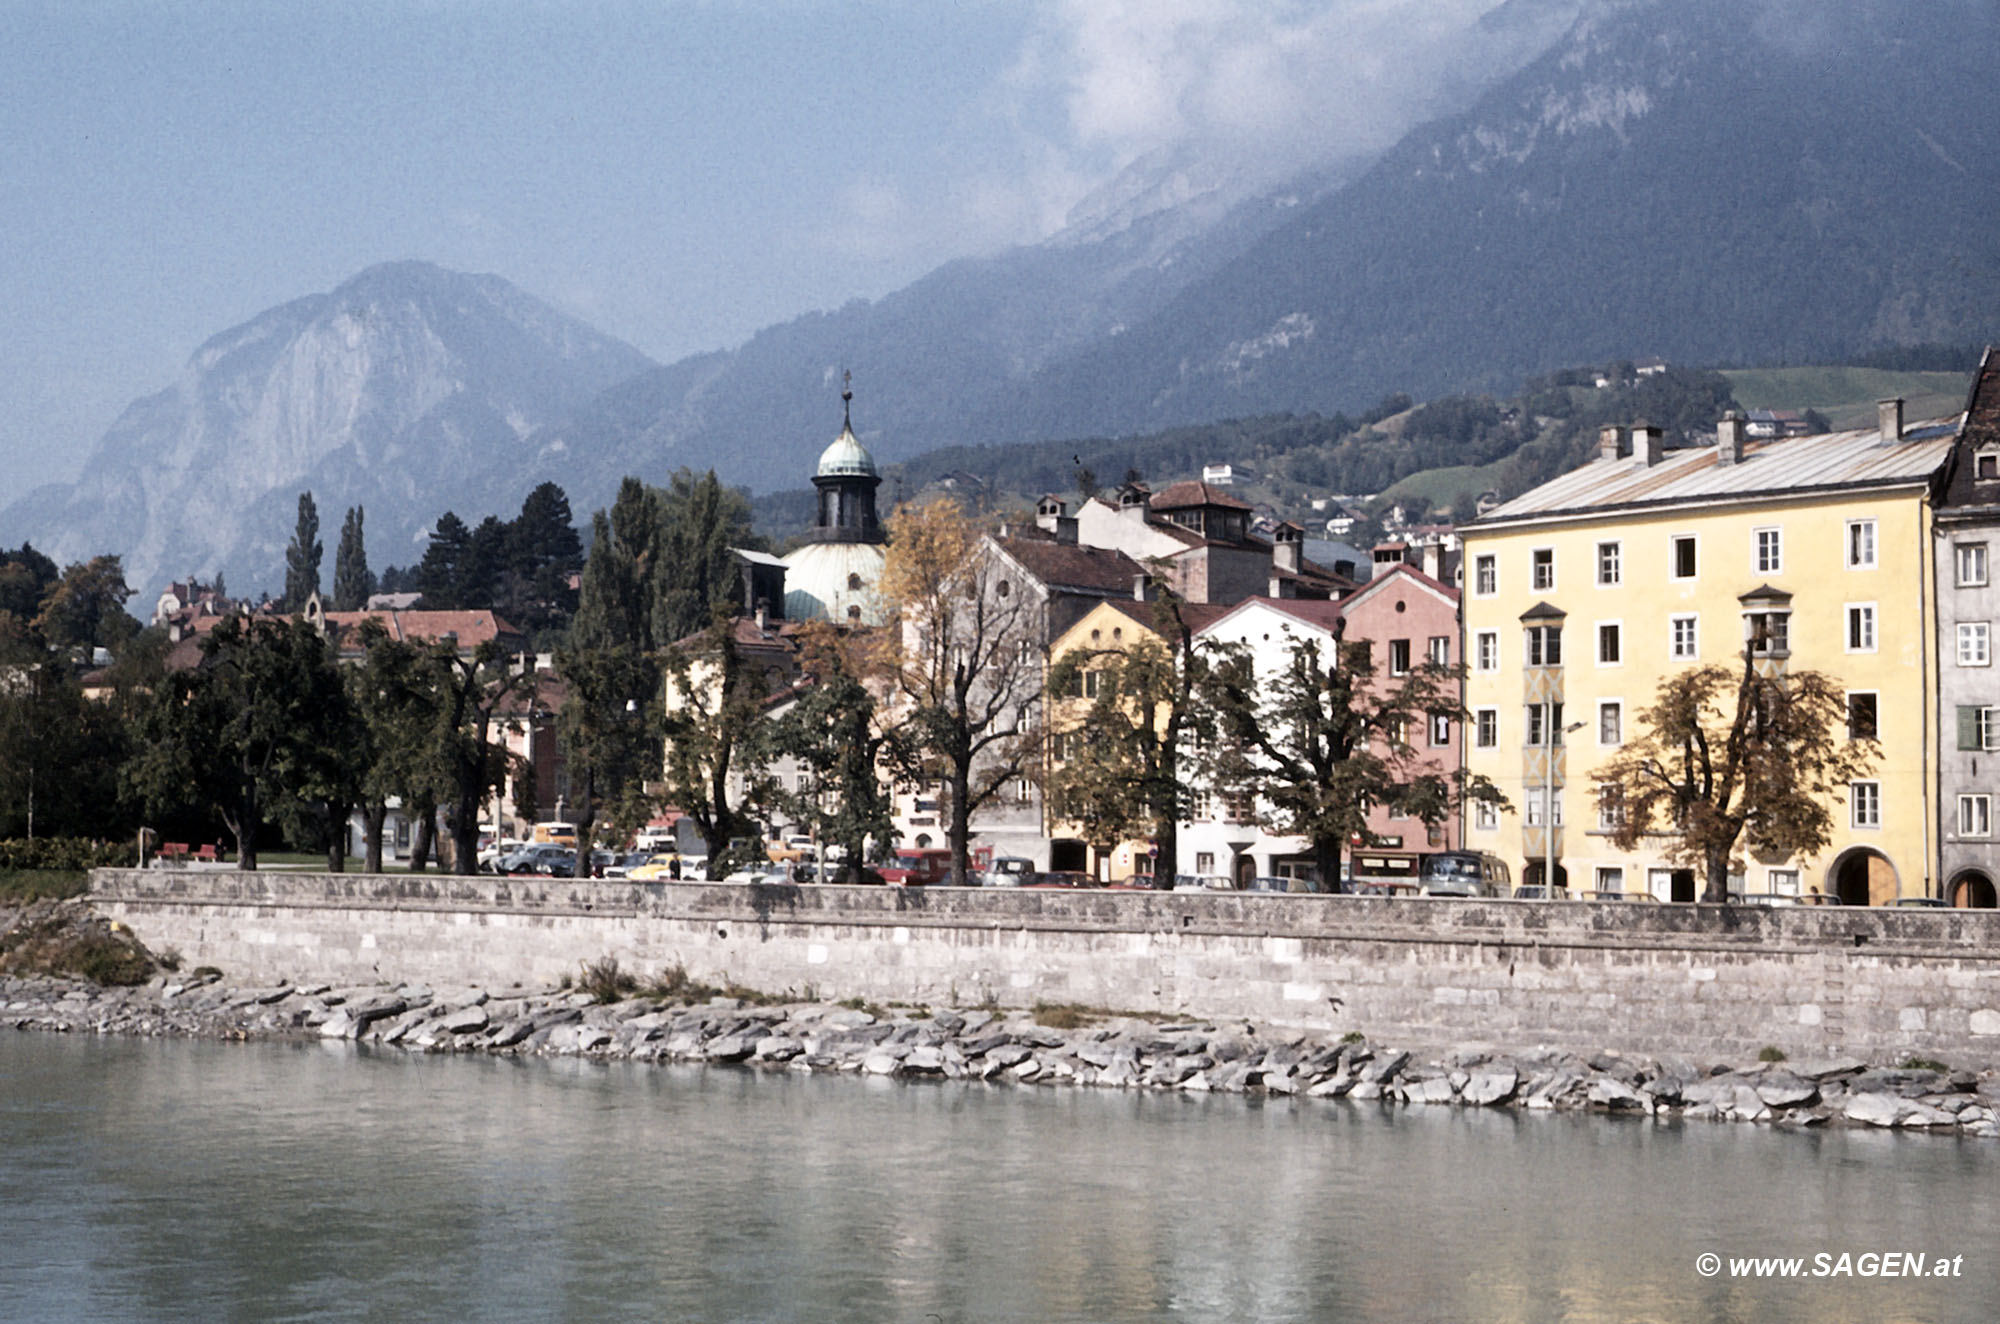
1705, 980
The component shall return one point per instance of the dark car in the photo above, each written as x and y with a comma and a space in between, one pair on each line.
1060, 878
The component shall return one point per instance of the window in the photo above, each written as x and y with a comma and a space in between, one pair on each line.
1861, 544
1399, 657
1610, 808
1539, 723
1609, 652
1486, 650
1861, 627
1545, 645
1538, 798
1769, 551
1543, 560
1862, 721
1865, 803
1610, 564
1770, 633
1204, 861
1975, 640
1485, 815
1440, 650
1970, 558
1486, 728
1784, 882
1682, 559
1611, 723
1093, 682
1975, 815
1986, 466
1684, 636
1610, 878
1440, 729
1978, 727
1485, 576
1024, 791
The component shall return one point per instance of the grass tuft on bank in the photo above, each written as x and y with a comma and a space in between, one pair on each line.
58, 938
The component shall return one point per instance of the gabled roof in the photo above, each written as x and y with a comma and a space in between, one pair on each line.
1062, 565
1831, 462
1181, 495
470, 628
1399, 572
1319, 613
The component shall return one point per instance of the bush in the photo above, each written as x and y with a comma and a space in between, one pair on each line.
59, 939
1768, 1053
73, 854
605, 982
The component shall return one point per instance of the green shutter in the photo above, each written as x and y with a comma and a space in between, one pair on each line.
1968, 727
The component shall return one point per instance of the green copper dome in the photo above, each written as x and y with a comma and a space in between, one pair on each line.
846, 458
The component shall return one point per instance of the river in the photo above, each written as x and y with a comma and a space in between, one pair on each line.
175, 1180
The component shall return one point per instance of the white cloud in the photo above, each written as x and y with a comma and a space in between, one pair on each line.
1240, 94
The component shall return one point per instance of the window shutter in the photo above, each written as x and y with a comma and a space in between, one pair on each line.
1968, 727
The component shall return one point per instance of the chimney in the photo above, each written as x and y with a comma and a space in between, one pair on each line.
1434, 560
1139, 587
1890, 412
1729, 439
763, 615
1612, 443
1052, 516
1285, 547
1648, 441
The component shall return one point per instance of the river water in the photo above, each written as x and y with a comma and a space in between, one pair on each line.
147, 1180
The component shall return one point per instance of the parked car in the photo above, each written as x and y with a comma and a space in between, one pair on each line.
656, 866
1923, 902
1539, 892
1064, 878
1201, 882
533, 858
918, 868
623, 865
557, 863
762, 873
1463, 873
1134, 882
1007, 871
1279, 883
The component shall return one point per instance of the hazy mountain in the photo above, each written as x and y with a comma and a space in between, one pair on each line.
408, 389
1706, 180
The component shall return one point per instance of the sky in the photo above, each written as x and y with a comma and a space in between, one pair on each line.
677, 173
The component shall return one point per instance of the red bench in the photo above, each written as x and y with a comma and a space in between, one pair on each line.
174, 852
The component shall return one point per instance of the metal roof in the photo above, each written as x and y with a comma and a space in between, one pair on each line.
1791, 466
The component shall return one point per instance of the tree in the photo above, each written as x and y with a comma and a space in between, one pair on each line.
236, 733
715, 726
472, 766
59, 756
85, 609
437, 576
966, 666
303, 556
832, 734
1120, 778
543, 552
351, 581
1322, 744
394, 693
1725, 758
701, 523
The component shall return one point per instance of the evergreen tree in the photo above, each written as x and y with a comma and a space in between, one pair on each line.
543, 552
352, 583
437, 576
303, 556
831, 731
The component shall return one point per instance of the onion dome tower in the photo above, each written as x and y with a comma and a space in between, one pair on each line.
832, 577
847, 480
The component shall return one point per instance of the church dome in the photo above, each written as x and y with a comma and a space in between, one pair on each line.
846, 458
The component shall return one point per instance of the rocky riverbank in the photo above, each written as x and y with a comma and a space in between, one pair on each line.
1013, 1047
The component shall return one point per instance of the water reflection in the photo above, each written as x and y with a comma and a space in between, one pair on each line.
184, 1181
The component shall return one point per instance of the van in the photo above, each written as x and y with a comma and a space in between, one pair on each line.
562, 834
1464, 873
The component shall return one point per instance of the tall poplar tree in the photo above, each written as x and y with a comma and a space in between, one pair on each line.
303, 556
352, 582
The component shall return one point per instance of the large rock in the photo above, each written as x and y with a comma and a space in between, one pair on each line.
1489, 1086
1613, 1093
1782, 1089
1878, 1108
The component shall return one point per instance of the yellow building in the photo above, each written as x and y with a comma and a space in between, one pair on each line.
1582, 595
1112, 626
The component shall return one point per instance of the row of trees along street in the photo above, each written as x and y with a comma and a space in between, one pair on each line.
662, 707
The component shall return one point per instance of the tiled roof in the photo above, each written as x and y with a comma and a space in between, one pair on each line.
1198, 615
1181, 495
472, 628
1070, 566
1793, 465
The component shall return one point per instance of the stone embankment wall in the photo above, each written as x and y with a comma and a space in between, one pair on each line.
1704, 980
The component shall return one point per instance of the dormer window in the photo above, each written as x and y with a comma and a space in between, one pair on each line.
1987, 466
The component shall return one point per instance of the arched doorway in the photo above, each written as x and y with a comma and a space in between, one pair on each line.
1863, 877
1972, 890
1246, 869
1532, 875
